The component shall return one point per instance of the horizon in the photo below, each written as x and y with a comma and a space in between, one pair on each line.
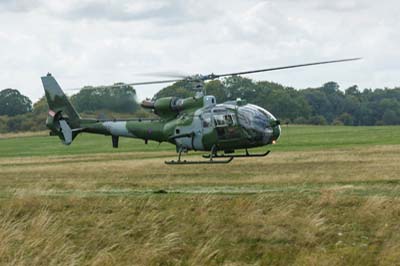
70, 92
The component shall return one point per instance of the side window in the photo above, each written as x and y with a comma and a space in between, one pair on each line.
223, 117
219, 120
234, 118
206, 117
230, 119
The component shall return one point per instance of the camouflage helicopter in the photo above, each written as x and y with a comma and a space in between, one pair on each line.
197, 123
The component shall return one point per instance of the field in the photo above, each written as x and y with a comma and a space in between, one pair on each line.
324, 196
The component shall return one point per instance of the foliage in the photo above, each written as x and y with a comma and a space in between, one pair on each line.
12, 103
32, 121
327, 104
121, 99
346, 119
35, 120
180, 89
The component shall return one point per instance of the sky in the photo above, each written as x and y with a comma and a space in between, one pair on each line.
87, 42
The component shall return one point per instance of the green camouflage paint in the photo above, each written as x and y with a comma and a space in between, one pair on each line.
191, 123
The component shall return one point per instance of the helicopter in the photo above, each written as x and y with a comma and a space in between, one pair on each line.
196, 123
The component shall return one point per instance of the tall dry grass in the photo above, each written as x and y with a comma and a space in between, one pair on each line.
164, 229
23, 134
340, 207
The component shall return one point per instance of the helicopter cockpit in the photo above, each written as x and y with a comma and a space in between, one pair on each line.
259, 123
254, 117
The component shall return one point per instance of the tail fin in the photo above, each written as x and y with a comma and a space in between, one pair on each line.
63, 120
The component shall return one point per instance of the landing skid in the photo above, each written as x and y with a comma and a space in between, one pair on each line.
247, 155
211, 160
199, 162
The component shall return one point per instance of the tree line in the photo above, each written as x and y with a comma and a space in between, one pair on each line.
107, 102
324, 105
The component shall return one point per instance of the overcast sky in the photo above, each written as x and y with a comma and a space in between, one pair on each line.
84, 42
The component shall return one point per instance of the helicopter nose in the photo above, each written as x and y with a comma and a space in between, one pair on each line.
276, 130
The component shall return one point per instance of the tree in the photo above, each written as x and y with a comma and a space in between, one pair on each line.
326, 104
239, 87
117, 98
181, 89
217, 88
346, 119
3, 124
40, 107
353, 91
317, 120
330, 88
390, 118
319, 102
13, 103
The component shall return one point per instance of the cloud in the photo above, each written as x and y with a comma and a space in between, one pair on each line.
105, 41
342, 6
19, 5
170, 12
125, 11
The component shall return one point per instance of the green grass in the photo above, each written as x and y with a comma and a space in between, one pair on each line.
294, 138
83, 144
324, 196
327, 137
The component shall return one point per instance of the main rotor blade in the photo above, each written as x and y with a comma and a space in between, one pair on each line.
166, 74
127, 84
152, 82
213, 76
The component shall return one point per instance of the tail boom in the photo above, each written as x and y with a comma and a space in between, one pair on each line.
65, 122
